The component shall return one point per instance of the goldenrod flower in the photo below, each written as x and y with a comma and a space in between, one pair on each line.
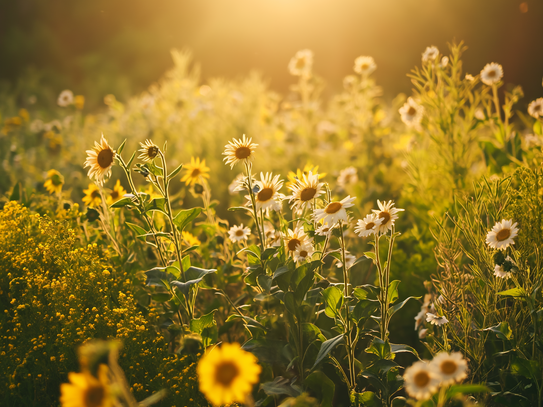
502, 234
420, 381
117, 193
302, 63
239, 150
65, 98
190, 239
84, 390
92, 196
450, 368
305, 189
54, 182
195, 172
491, 73
364, 65
149, 151
227, 374
387, 214
334, 211
100, 160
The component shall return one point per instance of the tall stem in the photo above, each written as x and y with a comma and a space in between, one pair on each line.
253, 201
348, 339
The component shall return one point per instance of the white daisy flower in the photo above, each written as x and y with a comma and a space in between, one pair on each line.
347, 176
469, 78
501, 273
491, 74
325, 229
302, 63
364, 65
502, 234
436, 319
423, 333
368, 226
305, 190
239, 233
421, 316
451, 368
420, 381
535, 108
294, 238
430, 54
268, 196
65, 98
303, 252
412, 113
349, 261
239, 150
334, 211
387, 214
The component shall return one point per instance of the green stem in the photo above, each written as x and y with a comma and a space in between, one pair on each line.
253, 201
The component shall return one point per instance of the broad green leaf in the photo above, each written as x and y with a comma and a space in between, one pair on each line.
122, 202
264, 282
197, 325
365, 399
393, 291
157, 204
161, 297
153, 169
137, 229
371, 255
290, 303
333, 299
322, 386
392, 310
514, 292
360, 293
184, 217
280, 386
326, 348
303, 287
502, 330
379, 348
401, 348
466, 389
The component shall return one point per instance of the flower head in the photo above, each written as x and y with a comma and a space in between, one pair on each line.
85, 390
334, 211
303, 252
54, 182
364, 65
535, 108
500, 272
65, 98
324, 229
421, 381
347, 176
305, 189
268, 196
190, 239
239, 150
369, 225
294, 177
502, 234
148, 150
449, 367
387, 214
100, 160
227, 374
239, 233
302, 63
491, 74
117, 193
436, 319
430, 54
412, 113
195, 172
92, 196
294, 238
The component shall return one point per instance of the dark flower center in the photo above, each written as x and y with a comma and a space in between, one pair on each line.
385, 216
307, 194
411, 111
333, 207
152, 152
239, 232
292, 244
95, 194
448, 367
503, 234
105, 158
226, 373
370, 225
491, 74
94, 396
242, 152
265, 194
195, 172
422, 379
300, 63
303, 253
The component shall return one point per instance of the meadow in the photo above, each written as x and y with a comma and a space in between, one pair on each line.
218, 243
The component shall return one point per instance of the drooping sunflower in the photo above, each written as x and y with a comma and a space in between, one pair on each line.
117, 193
100, 160
334, 211
502, 234
491, 74
227, 374
85, 390
420, 381
195, 172
148, 150
388, 214
92, 196
239, 150
305, 189
450, 367
268, 196
54, 182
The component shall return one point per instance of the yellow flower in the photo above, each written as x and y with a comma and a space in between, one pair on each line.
293, 177
149, 151
79, 102
239, 150
100, 160
227, 374
54, 182
23, 114
117, 193
92, 196
151, 192
84, 390
305, 190
195, 172
190, 239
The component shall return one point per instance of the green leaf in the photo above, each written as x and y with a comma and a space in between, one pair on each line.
239, 208
303, 287
157, 204
379, 348
466, 389
153, 169
367, 398
269, 252
322, 387
333, 298
360, 293
15, 194
393, 291
161, 297
121, 147
280, 386
122, 202
326, 348
401, 348
279, 271
137, 229
129, 163
175, 172
184, 217
392, 310
290, 303
197, 325
264, 282
502, 330
363, 310
538, 128
514, 292
371, 255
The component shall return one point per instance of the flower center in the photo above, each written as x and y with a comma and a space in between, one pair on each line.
114, 194
503, 234
303, 253
105, 158
333, 207
239, 232
152, 152
292, 244
370, 225
411, 111
95, 194
491, 74
448, 367
364, 66
385, 216
265, 194
422, 379
226, 373
94, 396
243, 152
307, 194
300, 63
195, 172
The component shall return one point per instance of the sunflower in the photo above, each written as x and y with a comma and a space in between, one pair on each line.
347, 176
190, 239
238, 150
84, 390
294, 238
92, 196
227, 374
388, 214
117, 193
535, 108
491, 74
149, 151
451, 368
334, 211
436, 319
268, 196
369, 225
364, 65
294, 177
54, 182
65, 98
303, 252
411, 113
430, 54
195, 172
420, 381
239, 233
100, 160
301, 63
502, 234
305, 189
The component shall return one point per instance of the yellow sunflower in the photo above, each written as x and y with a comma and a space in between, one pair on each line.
85, 390
293, 177
149, 151
117, 193
239, 150
100, 160
54, 182
227, 374
92, 196
190, 239
195, 172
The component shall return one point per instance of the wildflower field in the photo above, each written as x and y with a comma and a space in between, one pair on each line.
217, 243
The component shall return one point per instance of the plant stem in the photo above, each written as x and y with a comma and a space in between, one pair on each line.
350, 350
